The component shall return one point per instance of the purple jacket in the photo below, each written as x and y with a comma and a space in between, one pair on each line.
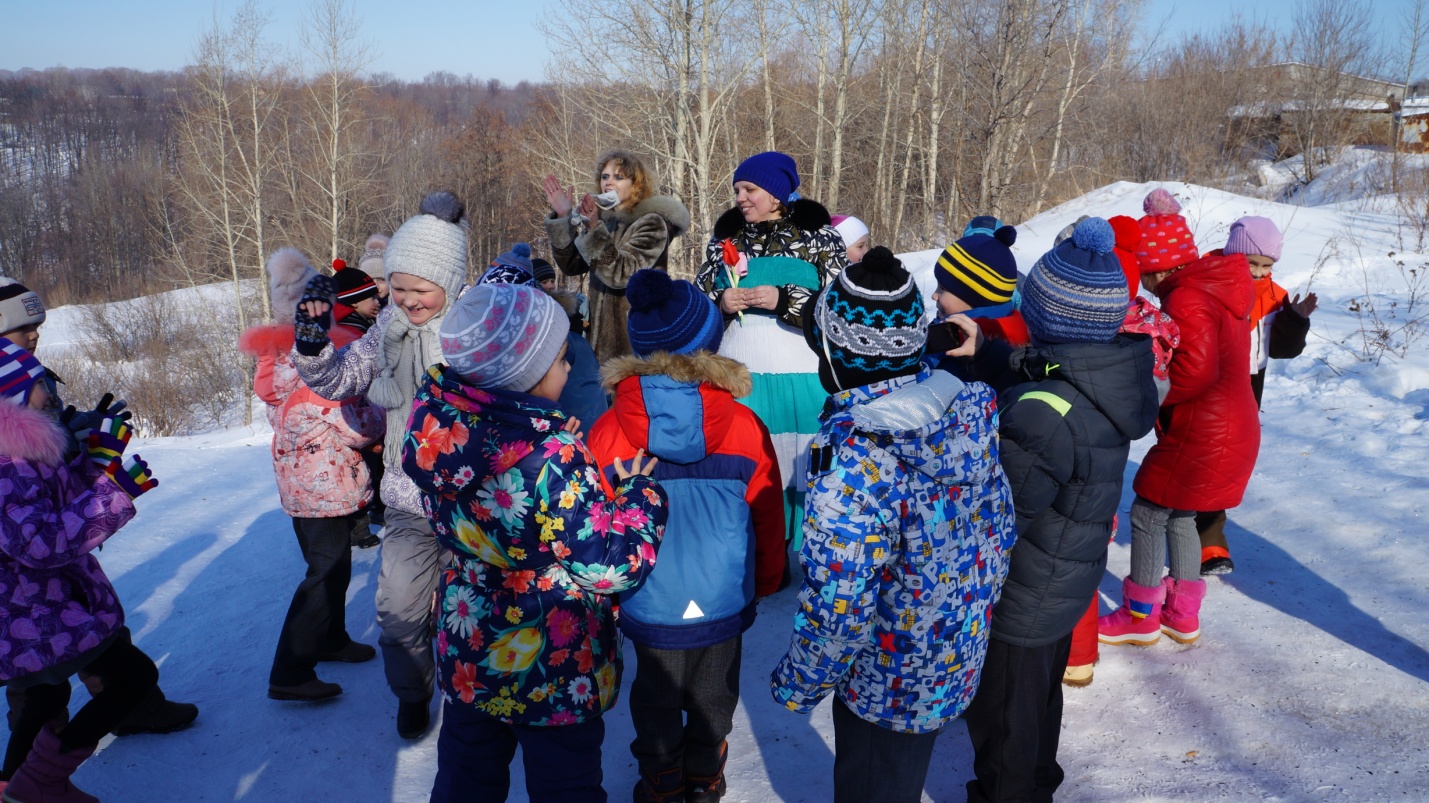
55, 602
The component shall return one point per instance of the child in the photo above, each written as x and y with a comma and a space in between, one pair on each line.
1142, 317
61, 612
22, 312
322, 482
1278, 326
723, 545
854, 233
426, 267
373, 252
357, 299
1066, 431
907, 526
1208, 433
977, 276
528, 647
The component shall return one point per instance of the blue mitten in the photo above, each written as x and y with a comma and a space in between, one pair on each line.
309, 333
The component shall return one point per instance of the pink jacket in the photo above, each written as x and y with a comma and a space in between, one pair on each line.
56, 601
315, 440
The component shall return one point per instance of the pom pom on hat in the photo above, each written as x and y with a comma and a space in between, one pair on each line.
1095, 235
1006, 235
670, 315
1160, 202
337, 265
444, 206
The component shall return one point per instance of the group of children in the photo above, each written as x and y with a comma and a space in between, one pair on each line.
956, 513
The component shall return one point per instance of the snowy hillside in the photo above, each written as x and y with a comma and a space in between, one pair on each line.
1311, 681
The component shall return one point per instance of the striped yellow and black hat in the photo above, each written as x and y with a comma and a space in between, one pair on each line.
980, 269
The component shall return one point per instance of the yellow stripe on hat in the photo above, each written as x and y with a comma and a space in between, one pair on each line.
975, 275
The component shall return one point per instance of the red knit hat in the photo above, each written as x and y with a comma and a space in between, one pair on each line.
1166, 240
1128, 242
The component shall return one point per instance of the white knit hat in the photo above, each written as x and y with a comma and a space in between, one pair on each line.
19, 306
432, 245
373, 252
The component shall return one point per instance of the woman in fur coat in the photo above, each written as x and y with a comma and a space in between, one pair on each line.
323, 484
613, 240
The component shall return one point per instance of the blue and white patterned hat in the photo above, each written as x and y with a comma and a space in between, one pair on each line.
503, 336
1077, 293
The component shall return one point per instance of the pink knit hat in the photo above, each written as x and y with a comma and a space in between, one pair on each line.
1253, 235
1166, 241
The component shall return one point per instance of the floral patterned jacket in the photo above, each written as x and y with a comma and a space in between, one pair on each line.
908, 526
527, 632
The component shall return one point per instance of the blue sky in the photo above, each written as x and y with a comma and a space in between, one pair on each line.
486, 38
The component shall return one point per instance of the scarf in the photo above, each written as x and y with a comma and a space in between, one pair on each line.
1268, 298
402, 360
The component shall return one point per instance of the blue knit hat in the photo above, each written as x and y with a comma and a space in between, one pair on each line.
979, 268
503, 336
982, 224
771, 171
867, 325
670, 315
1077, 293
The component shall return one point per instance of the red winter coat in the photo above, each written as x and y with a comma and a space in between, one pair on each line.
1209, 433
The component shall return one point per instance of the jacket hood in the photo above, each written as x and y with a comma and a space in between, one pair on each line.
31, 435
675, 406
1225, 277
910, 417
276, 339
804, 214
1102, 372
667, 207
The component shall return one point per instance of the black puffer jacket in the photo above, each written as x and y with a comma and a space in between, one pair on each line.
1066, 433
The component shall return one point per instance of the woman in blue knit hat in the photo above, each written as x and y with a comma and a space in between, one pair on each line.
767, 257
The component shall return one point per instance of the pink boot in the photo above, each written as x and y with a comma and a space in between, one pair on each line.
1181, 618
44, 777
1138, 620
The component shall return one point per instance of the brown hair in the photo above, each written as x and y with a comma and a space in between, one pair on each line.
630, 164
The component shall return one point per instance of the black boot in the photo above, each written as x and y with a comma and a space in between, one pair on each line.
413, 718
157, 714
362, 536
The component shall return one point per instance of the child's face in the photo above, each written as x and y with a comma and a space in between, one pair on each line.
857, 250
1151, 281
420, 299
1259, 265
26, 337
949, 304
367, 307
381, 287
549, 285
554, 381
39, 396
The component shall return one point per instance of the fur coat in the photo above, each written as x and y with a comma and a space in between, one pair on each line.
627, 241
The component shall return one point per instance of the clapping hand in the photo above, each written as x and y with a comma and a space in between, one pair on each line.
560, 198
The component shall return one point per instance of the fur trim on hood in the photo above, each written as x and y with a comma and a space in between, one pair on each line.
666, 206
566, 299
288, 274
702, 366
276, 339
803, 213
31, 435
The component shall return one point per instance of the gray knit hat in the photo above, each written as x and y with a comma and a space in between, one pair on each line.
432, 245
19, 305
373, 252
503, 336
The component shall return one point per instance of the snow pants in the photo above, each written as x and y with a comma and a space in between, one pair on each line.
872, 762
474, 752
671, 685
316, 623
412, 561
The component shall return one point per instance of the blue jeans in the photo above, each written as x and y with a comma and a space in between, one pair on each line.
474, 752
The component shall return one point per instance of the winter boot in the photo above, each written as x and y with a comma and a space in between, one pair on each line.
1083, 654
711, 788
311, 691
665, 786
44, 777
157, 714
413, 718
1181, 618
362, 537
1138, 620
1216, 560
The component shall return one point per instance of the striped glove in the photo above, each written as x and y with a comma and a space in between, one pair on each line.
107, 440
133, 476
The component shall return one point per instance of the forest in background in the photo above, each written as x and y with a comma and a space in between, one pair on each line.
912, 114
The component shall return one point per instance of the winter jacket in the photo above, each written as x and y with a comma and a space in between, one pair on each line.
724, 543
58, 603
527, 633
583, 397
1144, 318
1209, 430
624, 242
315, 441
1066, 435
907, 530
804, 233
1277, 331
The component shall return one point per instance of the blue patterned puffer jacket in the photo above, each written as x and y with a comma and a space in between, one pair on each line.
907, 529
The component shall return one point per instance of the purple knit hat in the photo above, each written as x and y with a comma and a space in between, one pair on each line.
19, 373
1255, 235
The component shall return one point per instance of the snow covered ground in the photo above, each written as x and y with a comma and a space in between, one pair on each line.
1310, 683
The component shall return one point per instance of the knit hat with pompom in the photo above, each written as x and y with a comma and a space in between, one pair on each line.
980, 269
512, 267
1166, 240
373, 252
1077, 293
670, 315
431, 245
503, 336
1128, 242
867, 325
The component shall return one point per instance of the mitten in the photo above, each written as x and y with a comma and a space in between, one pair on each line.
107, 441
133, 476
309, 333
